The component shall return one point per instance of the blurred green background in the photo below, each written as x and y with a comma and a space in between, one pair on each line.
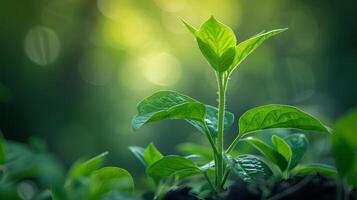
72, 71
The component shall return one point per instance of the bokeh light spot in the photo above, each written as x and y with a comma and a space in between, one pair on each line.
110, 8
162, 69
171, 5
42, 45
27, 189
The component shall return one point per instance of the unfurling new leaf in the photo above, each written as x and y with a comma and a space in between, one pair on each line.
217, 43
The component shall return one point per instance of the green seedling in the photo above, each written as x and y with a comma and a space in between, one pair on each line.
344, 145
87, 179
218, 45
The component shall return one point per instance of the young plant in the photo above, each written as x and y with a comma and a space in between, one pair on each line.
86, 179
218, 45
344, 145
20, 163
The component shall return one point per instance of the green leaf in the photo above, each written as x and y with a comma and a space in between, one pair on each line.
151, 154
217, 44
298, 145
2, 150
315, 168
344, 144
172, 105
173, 165
80, 168
246, 47
120, 197
269, 152
278, 116
191, 148
23, 162
168, 105
292, 147
212, 121
138, 153
110, 179
189, 27
250, 168
282, 147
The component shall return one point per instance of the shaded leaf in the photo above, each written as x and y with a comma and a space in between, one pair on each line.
282, 147
173, 165
278, 116
2, 150
192, 148
23, 162
315, 168
344, 144
269, 152
250, 168
138, 153
298, 145
110, 179
207, 166
85, 168
151, 154
246, 47
115, 196
211, 120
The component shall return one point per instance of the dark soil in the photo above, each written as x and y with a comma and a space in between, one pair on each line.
314, 187
181, 194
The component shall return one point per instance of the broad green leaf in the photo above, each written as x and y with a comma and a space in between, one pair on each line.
173, 165
246, 47
138, 153
172, 105
80, 168
278, 116
269, 152
212, 121
298, 145
151, 154
217, 43
2, 150
110, 179
344, 144
250, 168
168, 105
192, 148
315, 168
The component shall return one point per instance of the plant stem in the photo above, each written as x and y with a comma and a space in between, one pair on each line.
210, 139
234, 143
221, 110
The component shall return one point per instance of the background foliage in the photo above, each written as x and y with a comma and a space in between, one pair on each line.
71, 72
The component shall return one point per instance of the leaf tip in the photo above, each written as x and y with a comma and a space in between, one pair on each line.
189, 27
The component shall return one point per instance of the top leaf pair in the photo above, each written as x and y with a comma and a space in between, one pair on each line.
218, 44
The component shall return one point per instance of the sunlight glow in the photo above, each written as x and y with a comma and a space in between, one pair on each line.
162, 69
